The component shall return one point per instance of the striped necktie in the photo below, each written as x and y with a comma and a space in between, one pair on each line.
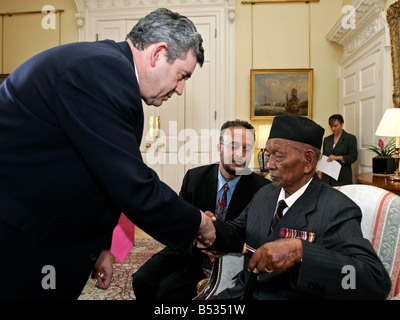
220, 213
278, 214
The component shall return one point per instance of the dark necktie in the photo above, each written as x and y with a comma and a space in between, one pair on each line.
278, 214
220, 213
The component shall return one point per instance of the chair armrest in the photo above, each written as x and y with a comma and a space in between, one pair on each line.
223, 275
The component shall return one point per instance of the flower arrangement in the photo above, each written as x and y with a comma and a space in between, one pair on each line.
382, 150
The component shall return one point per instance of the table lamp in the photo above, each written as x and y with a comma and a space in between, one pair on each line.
263, 134
390, 127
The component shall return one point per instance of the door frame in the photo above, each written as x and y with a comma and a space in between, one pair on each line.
376, 43
221, 12
91, 11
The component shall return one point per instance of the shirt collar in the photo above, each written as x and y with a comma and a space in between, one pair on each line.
136, 73
293, 197
231, 184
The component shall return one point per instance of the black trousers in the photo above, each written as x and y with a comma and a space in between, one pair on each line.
32, 270
168, 275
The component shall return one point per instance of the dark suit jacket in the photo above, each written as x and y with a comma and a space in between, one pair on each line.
335, 220
174, 275
199, 187
71, 122
346, 147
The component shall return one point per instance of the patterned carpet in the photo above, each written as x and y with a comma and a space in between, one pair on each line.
121, 285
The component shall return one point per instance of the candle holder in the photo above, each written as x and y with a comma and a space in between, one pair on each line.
262, 137
263, 160
396, 176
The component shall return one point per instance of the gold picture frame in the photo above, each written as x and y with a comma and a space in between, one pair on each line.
280, 91
276, 1
393, 18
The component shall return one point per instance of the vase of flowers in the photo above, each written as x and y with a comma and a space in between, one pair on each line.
383, 162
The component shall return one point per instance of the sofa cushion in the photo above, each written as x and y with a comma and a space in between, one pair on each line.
381, 225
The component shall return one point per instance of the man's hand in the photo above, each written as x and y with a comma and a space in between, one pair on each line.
206, 234
277, 256
103, 270
210, 215
213, 255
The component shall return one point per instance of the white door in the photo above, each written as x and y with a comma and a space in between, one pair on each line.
177, 134
114, 30
201, 110
361, 99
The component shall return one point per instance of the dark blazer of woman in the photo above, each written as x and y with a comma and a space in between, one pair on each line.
346, 147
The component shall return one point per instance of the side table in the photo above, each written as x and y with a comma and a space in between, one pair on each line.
380, 181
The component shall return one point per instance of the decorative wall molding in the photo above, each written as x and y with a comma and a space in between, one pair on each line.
107, 4
84, 6
393, 18
90, 12
368, 32
368, 20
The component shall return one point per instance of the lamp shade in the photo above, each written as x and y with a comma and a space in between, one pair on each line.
263, 134
390, 124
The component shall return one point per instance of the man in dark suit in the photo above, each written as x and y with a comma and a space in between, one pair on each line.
173, 275
71, 122
314, 248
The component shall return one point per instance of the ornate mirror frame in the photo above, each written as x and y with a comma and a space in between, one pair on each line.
393, 18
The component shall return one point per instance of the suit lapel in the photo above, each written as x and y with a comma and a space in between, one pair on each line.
328, 145
296, 216
242, 189
341, 140
209, 188
126, 50
268, 211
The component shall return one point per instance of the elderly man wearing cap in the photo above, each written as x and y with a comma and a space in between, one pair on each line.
313, 247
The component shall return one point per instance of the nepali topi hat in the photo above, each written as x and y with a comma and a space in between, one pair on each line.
297, 128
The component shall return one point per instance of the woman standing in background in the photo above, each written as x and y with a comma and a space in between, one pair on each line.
342, 147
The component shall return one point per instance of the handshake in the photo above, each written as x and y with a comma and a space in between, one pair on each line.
206, 233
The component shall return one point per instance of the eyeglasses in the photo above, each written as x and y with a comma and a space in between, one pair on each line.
237, 147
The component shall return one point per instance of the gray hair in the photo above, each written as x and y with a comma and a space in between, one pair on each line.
163, 25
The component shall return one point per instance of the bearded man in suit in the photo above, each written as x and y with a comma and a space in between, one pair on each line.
71, 122
173, 275
300, 252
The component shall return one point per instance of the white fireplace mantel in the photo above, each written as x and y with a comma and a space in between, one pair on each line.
84, 6
369, 20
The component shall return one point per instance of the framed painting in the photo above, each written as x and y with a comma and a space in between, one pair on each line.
280, 91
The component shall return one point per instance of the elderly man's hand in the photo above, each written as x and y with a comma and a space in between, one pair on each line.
277, 256
206, 234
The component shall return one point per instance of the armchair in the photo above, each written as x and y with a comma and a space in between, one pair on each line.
381, 226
